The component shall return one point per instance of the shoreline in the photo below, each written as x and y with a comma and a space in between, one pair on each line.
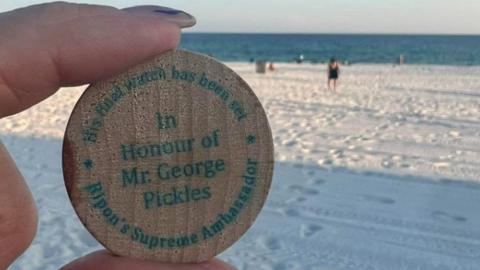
351, 64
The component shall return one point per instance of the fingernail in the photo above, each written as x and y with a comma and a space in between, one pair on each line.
178, 17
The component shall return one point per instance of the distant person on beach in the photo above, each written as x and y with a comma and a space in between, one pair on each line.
401, 59
45, 47
300, 59
271, 66
333, 73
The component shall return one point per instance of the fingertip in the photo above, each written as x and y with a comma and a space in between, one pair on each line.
103, 259
178, 17
168, 34
63, 44
218, 264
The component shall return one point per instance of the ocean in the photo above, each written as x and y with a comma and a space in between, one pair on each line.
319, 48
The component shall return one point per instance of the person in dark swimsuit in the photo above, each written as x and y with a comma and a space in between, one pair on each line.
333, 73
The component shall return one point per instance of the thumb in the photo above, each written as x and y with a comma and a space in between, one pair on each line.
104, 260
18, 215
47, 46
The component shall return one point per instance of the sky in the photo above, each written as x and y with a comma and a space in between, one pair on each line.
317, 16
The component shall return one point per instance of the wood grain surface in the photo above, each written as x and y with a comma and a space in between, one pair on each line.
170, 161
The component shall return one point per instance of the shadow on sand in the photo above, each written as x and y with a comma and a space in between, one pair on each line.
314, 218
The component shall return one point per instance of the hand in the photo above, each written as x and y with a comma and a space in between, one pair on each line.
47, 46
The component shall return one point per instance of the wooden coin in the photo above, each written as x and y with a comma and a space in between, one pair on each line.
170, 161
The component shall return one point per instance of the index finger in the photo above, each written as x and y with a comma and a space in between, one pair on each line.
47, 46
105, 260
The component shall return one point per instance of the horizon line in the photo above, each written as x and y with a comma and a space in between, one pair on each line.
332, 33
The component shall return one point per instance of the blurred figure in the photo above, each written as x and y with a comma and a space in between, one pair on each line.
333, 73
300, 59
271, 66
401, 59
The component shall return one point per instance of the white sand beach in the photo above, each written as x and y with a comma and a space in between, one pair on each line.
384, 174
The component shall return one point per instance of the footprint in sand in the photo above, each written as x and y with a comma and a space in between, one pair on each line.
310, 191
404, 165
352, 147
336, 153
362, 139
296, 199
51, 252
325, 161
289, 143
272, 243
287, 266
290, 212
298, 165
441, 164
306, 150
378, 199
387, 164
382, 127
440, 215
455, 134
309, 172
307, 231
303, 190
317, 181
244, 253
